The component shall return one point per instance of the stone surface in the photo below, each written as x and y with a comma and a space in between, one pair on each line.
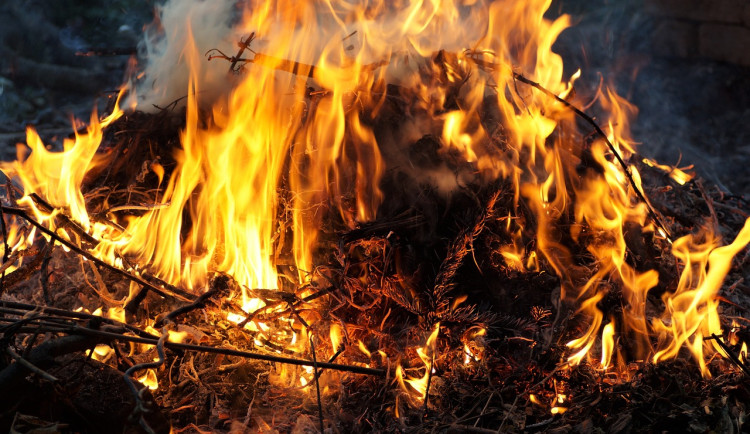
675, 38
726, 43
723, 11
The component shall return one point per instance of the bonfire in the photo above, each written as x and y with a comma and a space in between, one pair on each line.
359, 216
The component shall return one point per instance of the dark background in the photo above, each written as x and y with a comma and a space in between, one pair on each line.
692, 109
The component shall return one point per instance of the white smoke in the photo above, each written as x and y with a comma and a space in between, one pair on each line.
184, 30
167, 52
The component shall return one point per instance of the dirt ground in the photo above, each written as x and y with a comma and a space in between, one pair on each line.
691, 111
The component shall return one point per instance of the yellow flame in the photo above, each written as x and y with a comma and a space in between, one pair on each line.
364, 349
58, 176
416, 387
177, 336
102, 352
149, 379
677, 174
691, 311
608, 344
336, 335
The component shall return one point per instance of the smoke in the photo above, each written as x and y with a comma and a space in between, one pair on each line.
185, 30
174, 43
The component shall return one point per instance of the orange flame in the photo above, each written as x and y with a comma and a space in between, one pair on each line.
691, 312
416, 387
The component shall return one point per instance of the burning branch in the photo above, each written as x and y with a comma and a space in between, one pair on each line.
181, 295
625, 166
728, 351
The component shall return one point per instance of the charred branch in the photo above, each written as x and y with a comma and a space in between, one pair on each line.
42, 357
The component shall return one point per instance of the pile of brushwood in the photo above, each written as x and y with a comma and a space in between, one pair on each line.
385, 284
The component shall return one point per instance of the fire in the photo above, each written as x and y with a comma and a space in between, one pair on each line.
363, 348
416, 387
58, 176
102, 353
608, 344
336, 334
691, 313
149, 379
474, 345
677, 174
292, 140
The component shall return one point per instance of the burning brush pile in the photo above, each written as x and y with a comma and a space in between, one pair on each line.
334, 216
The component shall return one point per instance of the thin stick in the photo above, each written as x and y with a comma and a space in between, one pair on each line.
540, 424
505, 418
7, 306
219, 285
44, 272
66, 221
331, 360
484, 409
317, 383
427, 389
140, 407
31, 367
